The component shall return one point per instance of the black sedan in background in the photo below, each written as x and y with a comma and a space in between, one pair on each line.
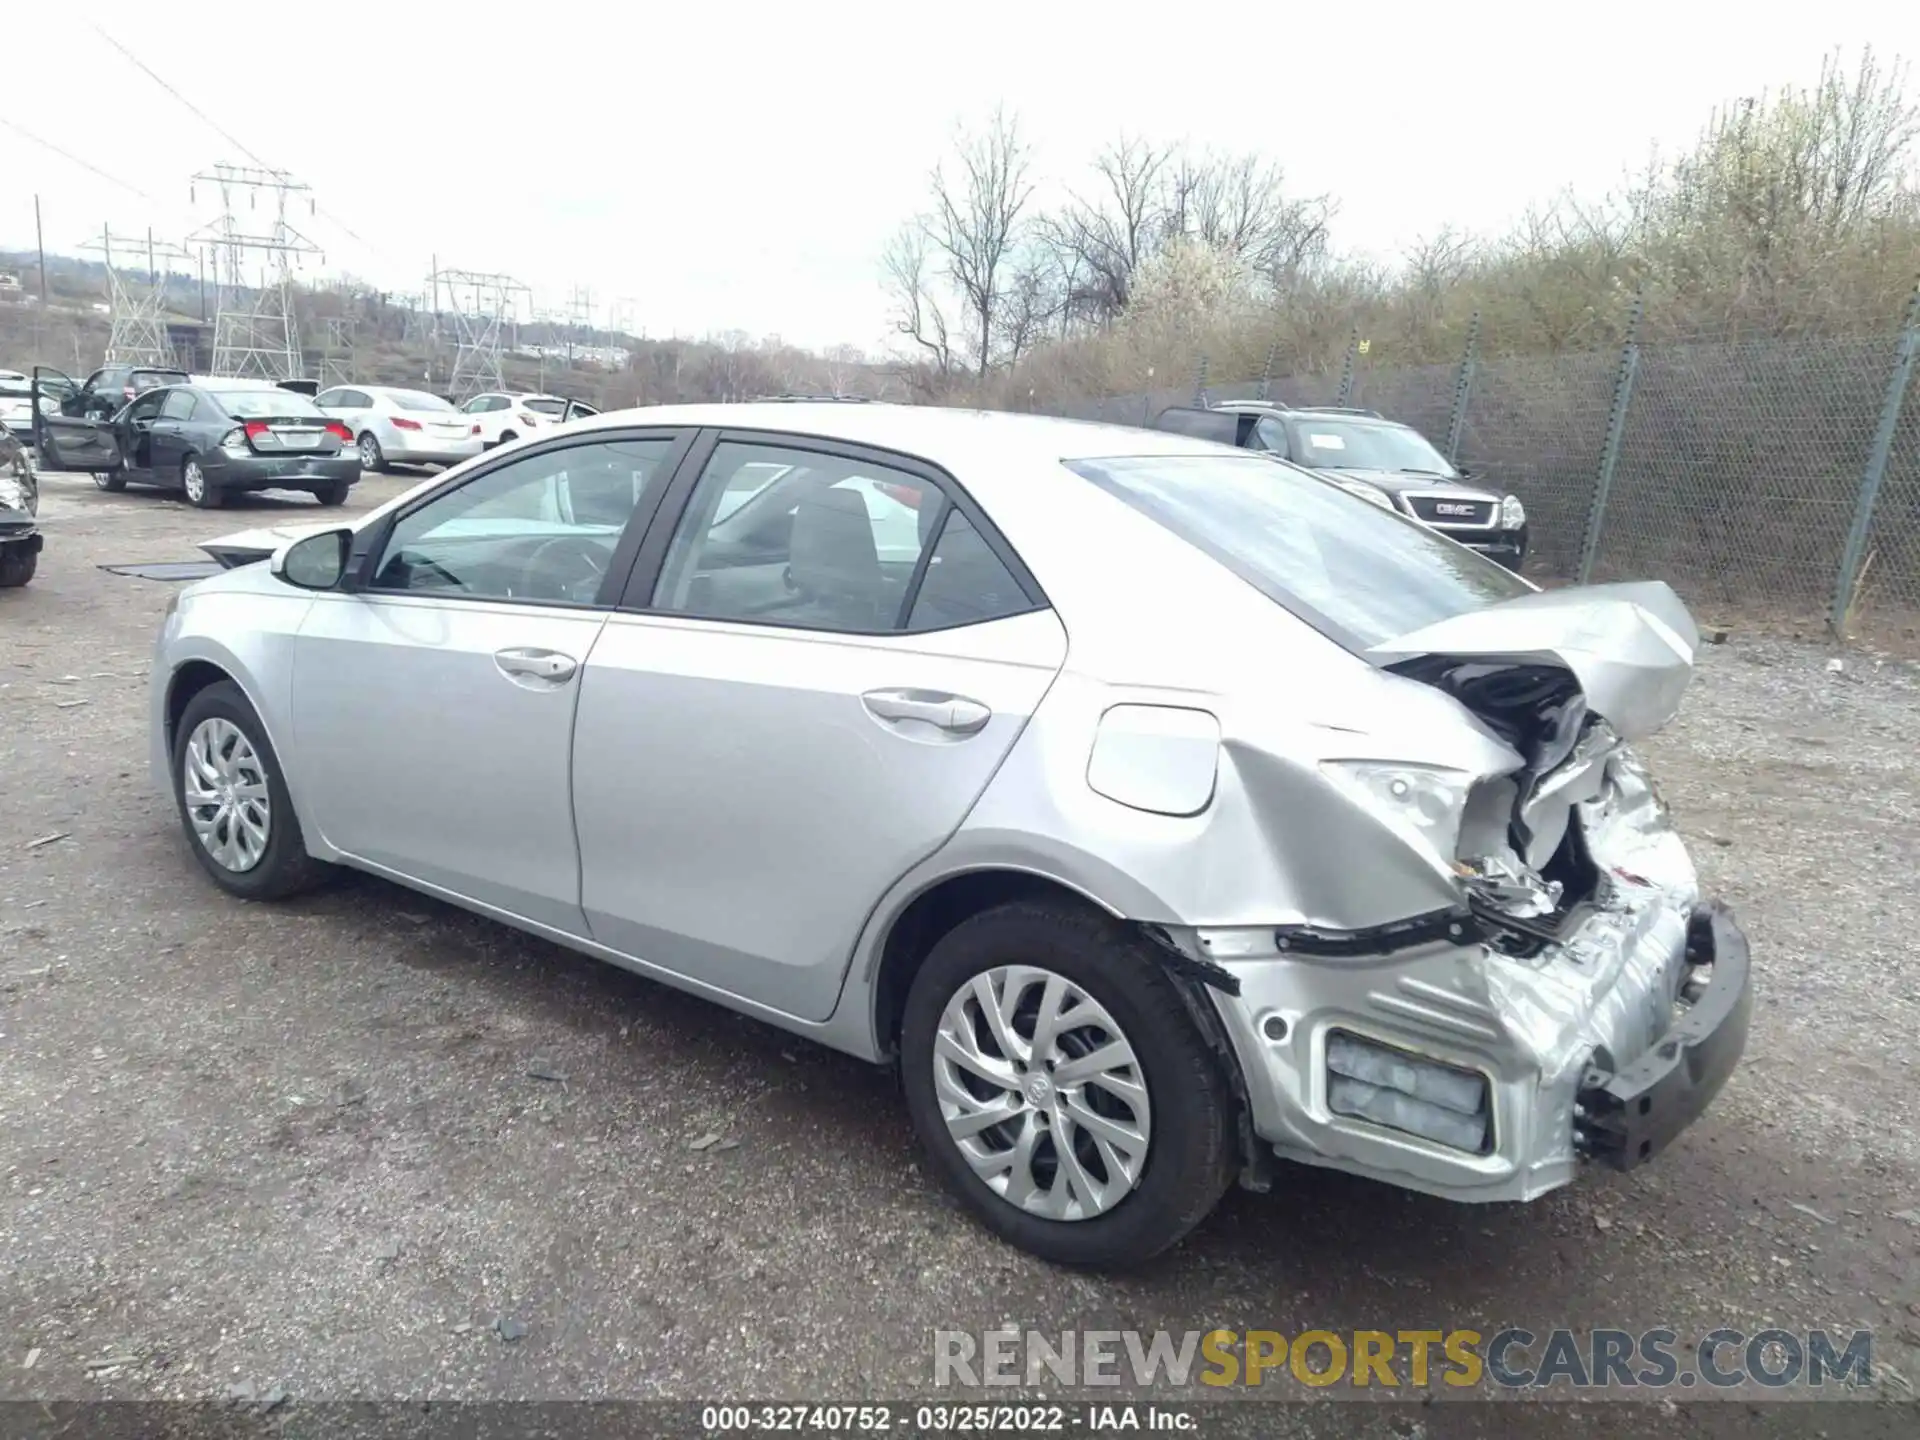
209, 440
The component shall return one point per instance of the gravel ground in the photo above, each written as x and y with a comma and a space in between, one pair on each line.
326, 1146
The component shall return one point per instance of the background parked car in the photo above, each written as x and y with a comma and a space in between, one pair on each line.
210, 441
504, 416
1381, 460
102, 394
17, 405
19, 503
402, 427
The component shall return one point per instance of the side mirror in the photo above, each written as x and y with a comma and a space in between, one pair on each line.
315, 563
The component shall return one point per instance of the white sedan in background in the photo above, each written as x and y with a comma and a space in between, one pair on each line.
504, 415
402, 427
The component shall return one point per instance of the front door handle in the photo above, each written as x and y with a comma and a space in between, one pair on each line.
530, 664
953, 713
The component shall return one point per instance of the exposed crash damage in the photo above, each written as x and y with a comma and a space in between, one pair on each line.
20, 538
1554, 987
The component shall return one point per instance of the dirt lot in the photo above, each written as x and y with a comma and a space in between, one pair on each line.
309, 1146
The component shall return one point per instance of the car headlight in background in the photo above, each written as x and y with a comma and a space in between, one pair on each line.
1424, 802
1512, 513
1367, 492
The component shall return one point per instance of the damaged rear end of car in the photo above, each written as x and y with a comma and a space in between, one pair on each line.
1544, 982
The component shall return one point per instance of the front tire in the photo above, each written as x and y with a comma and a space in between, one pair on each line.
201, 494
113, 481
1061, 1087
17, 567
233, 803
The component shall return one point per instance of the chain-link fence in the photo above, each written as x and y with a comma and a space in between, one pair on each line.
1772, 480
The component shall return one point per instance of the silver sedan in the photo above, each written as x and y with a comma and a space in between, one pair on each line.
402, 427
1165, 812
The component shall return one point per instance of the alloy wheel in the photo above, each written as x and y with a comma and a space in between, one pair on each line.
1042, 1093
224, 790
194, 481
369, 453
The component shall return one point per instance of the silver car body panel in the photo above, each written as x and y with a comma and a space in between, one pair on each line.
735, 823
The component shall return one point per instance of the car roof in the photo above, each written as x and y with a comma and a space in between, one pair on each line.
932, 432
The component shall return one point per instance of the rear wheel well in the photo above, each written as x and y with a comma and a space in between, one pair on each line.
932, 914
188, 681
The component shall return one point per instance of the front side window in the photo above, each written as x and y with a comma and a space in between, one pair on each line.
1354, 445
1356, 572
541, 528
147, 406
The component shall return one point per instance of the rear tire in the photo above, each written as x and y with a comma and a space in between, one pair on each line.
334, 494
201, 494
283, 867
113, 481
372, 457
17, 567
1189, 1118
507, 437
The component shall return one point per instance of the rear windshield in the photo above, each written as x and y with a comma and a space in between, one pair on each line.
417, 400
548, 407
266, 404
1356, 572
153, 379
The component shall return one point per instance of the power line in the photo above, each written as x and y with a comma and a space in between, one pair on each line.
27, 134
217, 128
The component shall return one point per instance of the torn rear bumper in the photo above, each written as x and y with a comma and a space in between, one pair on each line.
1626, 1117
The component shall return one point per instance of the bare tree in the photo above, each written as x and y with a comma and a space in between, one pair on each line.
916, 309
1103, 241
977, 209
1238, 204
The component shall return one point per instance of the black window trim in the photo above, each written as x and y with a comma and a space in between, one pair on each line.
637, 596
369, 544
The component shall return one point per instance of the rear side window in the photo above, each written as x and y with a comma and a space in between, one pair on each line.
546, 407
965, 582
177, 406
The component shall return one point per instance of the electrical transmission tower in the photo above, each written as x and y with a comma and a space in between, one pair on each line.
481, 307
254, 333
336, 367
622, 316
139, 323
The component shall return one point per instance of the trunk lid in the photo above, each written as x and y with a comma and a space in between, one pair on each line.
246, 547
1566, 678
1629, 648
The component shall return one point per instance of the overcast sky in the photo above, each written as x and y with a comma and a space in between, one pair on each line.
741, 166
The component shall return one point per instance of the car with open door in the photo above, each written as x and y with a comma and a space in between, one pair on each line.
210, 441
105, 392
505, 416
1330, 845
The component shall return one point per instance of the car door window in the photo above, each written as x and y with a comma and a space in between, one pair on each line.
965, 581
541, 528
328, 398
354, 400
147, 406
177, 406
824, 541
1271, 435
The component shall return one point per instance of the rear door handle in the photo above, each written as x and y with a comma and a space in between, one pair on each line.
953, 713
531, 664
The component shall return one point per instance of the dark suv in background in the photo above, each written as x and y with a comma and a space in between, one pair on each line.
1391, 464
102, 395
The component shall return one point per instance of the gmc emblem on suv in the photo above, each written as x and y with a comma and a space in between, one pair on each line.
1452, 507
